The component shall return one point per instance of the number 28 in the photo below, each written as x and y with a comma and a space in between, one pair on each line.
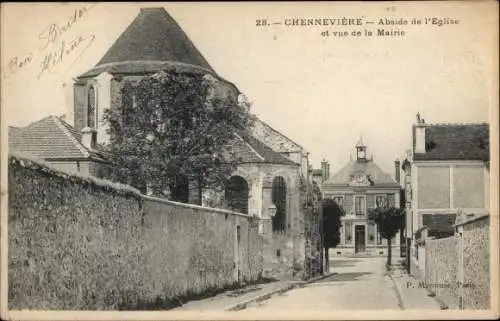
261, 22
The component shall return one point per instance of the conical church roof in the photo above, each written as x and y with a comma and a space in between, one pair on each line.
152, 39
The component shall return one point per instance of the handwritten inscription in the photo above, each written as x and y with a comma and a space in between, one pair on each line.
16, 63
54, 58
53, 31
349, 26
57, 43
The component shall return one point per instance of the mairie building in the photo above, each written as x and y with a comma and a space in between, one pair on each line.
357, 187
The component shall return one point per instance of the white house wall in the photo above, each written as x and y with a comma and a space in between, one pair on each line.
103, 91
446, 187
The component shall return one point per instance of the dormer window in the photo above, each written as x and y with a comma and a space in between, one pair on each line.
91, 108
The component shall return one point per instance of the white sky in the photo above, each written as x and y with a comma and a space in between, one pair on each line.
323, 92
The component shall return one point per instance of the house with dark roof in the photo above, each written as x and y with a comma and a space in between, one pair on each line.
446, 180
359, 185
57, 143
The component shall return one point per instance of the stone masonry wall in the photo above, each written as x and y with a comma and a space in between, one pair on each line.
278, 256
81, 243
476, 247
444, 269
441, 268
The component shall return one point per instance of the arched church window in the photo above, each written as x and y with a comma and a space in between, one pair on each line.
236, 194
91, 108
279, 199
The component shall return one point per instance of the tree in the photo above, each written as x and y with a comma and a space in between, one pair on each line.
389, 221
332, 213
172, 128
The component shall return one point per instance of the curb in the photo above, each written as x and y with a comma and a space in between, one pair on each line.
283, 289
442, 304
259, 298
399, 292
320, 277
432, 294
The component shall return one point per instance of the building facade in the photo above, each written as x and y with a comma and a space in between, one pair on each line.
446, 180
357, 187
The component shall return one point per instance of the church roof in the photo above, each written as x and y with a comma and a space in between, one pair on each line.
50, 138
344, 176
153, 38
248, 149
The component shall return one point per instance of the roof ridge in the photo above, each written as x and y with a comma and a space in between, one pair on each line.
38, 121
60, 124
459, 124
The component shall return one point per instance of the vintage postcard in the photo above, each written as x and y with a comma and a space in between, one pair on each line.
249, 160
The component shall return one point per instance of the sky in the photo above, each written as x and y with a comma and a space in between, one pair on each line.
324, 92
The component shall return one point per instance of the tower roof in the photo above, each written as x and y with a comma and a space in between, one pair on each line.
154, 37
360, 143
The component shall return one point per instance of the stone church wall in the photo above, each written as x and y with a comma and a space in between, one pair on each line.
82, 243
109, 94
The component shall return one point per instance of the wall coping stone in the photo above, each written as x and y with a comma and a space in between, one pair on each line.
28, 161
473, 219
193, 206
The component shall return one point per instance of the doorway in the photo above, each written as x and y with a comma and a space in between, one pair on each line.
237, 254
359, 238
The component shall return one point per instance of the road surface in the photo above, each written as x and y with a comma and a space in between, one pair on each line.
358, 284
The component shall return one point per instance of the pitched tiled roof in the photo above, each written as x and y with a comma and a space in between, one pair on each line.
248, 149
455, 142
439, 224
50, 138
264, 124
317, 172
154, 36
344, 176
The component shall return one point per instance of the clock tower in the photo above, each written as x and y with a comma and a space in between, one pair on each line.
360, 151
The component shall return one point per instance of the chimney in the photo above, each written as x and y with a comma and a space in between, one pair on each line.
325, 170
420, 135
89, 137
397, 168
